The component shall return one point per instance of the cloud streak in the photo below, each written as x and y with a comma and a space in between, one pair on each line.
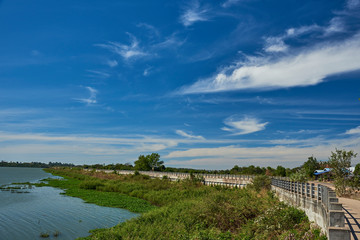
241, 126
194, 13
303, 68
91, 99
188, 135
127, 52
228, 156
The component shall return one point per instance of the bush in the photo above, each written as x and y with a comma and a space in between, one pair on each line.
299, 176
261, 182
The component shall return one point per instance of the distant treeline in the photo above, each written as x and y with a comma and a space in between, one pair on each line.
250, 170
35, 164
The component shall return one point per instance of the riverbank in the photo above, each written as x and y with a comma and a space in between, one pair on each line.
186, 209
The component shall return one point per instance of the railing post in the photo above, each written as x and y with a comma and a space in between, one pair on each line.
312, 190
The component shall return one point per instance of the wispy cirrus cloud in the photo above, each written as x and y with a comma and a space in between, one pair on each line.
277, 43
127, 52
98, 74
154, 32
305, 67
228, 156
91, 99
193, 13
337, 24
151, 47
188, 135
244, 125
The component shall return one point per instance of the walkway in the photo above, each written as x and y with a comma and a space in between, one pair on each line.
352, 213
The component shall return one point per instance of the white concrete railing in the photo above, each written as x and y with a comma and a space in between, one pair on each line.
319, 203
226, 180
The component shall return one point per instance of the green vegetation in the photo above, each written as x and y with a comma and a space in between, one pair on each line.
44, 235
261, 182
310, 166
357, 170
300, 176
83, 186
188, 209
340, 160
149, 162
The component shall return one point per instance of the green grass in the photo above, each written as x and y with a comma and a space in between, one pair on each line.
186, 209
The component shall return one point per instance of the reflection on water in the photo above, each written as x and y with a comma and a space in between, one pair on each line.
26, 212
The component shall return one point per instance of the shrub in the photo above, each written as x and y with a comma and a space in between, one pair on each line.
261, 182
299, 176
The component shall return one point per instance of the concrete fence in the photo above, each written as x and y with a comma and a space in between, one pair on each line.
226, 180
319, 203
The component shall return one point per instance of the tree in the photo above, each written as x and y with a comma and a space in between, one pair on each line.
149, 162
310, 166
280, 171
357, 170
340, 161
154, 161
142, 163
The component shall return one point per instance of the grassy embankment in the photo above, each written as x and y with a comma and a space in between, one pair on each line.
186, 209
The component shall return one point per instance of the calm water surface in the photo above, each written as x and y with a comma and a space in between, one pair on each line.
26, 213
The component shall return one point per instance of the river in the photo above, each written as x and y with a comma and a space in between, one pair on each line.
27, 213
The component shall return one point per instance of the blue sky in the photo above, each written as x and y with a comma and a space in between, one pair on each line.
206, 84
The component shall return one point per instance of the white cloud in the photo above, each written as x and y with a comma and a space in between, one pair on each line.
169, 42
295, 32
188, 135
147, 71
147, 50
127, 52
245, 125
92, 98
275, 44
194, 13
228, 156
104, 149
336, 25
353, 130
304, 68
112, 63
